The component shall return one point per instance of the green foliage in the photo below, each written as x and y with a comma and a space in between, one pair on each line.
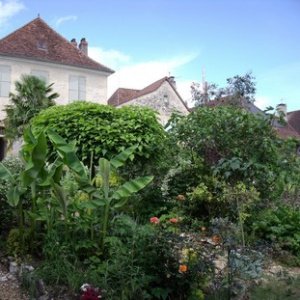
278, 289
104, 131
280, 226
235, 146
15, 166
18, 242
33, 95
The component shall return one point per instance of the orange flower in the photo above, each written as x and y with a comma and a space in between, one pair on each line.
173, 220
182, 268
154, 220
180, 198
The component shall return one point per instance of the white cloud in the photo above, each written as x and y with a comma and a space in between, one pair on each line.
8, 9
110, 58
263, 102
184, 89
139, 75
61, 20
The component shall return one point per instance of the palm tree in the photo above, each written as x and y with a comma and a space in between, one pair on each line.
32, 95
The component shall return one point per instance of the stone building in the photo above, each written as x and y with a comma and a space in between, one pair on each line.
161, 96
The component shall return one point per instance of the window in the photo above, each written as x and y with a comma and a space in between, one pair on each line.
43, 75
77, 86
42, 45
4, 80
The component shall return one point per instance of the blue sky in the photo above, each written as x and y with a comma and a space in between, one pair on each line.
144, 40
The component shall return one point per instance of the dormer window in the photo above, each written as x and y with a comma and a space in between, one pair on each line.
42, 45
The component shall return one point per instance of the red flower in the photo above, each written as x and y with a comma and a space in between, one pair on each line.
173, 220
154, 220
90, 293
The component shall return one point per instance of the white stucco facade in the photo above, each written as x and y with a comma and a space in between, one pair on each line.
59, 74
164, 100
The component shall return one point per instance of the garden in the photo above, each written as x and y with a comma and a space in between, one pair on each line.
105, 203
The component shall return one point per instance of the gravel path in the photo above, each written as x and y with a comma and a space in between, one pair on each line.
9, 286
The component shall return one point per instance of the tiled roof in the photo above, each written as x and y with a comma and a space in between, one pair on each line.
287, 131
294, 120
38, 41
227, 100
292, 126
121, 95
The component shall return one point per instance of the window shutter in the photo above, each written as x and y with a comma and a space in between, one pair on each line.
77, 88
82, 86
73, 88
5, 72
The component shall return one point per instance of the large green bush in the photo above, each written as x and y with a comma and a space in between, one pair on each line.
101, 130
234, 145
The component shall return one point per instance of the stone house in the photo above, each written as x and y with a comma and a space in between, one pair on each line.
39, 50
160, 95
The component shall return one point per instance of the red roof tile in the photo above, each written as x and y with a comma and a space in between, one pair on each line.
121, 95
38, 41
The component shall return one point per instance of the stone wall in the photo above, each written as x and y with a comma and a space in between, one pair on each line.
164, 100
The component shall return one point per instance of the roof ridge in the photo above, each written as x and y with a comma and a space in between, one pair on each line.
38, 25
121, 88
21, 28
40, 19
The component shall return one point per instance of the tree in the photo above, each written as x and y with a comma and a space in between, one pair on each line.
32, 95
223, 147
238, 88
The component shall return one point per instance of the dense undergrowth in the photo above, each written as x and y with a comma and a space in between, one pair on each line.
225, 188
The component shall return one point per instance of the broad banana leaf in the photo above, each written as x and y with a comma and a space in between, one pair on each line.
67, 153
60, 195
5, 173
13, 196
120, 159
14, 193
35, 161
104, 172
131, 187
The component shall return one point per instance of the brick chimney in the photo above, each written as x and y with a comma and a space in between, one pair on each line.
172, 81
74, 43
83, 46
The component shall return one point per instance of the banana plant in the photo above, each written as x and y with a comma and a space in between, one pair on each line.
115, 198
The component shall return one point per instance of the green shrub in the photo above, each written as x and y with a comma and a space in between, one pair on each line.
101, 130
7, 218
281, 226
233, 145
18, 243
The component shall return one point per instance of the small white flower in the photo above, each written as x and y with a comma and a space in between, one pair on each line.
84, 287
